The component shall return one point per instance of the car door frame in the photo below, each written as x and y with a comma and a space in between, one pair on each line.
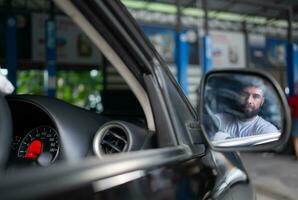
138, 54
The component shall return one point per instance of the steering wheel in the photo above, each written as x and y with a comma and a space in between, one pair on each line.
5, 131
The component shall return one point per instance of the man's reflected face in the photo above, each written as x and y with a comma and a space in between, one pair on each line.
251, 100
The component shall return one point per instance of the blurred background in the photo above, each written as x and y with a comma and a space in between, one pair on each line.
43, 52
192, 36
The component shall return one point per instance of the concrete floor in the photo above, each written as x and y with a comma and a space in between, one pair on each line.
274, 176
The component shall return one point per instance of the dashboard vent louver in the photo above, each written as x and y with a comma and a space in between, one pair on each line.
114, 140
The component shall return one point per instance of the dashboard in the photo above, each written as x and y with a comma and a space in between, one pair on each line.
48, 130
35, 136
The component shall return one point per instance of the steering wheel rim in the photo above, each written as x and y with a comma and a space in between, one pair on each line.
5, 131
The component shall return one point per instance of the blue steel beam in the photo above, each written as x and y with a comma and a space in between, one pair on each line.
181, 58
50, 78
11, 49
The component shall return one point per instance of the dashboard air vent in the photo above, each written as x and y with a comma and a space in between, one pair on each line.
112, 137
114, 140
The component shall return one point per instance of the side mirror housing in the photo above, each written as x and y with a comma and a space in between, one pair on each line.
243, 110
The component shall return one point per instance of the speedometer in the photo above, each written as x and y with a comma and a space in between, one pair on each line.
40, 140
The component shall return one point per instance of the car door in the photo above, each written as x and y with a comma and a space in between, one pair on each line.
173, 169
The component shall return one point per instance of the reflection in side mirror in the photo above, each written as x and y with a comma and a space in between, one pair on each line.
240, 110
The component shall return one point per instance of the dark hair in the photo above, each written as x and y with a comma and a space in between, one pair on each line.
252, 82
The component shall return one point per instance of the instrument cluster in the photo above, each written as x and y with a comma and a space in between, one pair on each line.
39, 146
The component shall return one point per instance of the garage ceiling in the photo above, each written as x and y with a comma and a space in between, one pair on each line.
271, 9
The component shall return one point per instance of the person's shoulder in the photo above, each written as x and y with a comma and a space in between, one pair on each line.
265, 125
261, 120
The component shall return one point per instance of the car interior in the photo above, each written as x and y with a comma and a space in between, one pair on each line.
65, 132
48, 130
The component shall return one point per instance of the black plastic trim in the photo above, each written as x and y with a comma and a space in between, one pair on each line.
165, 133
65, 176
5, 130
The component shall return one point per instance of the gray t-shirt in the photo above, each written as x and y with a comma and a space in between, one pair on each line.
237, 128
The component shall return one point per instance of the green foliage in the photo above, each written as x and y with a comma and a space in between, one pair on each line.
75, 87
72, 86
30, 82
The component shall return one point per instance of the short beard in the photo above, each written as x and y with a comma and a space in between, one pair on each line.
246, 114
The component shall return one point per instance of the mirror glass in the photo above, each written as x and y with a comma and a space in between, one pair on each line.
241, 110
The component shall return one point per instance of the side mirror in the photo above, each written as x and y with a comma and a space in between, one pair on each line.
243, 110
